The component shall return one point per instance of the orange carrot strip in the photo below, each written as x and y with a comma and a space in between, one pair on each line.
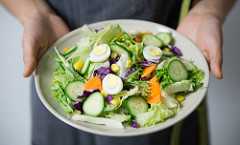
148, 70
155, 96
93, 83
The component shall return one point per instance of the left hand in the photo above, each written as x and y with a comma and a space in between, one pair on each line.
206, 32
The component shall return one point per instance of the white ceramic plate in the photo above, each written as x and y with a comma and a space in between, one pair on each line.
44, 75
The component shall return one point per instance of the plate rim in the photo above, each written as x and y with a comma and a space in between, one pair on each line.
102, 132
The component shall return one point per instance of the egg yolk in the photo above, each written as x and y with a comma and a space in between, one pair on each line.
112, 81
155, 52
100, 50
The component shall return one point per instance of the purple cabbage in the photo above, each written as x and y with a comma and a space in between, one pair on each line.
114, 60
77, 105
143, 79
86, 93
155, 60
135, 124
175, 50
130, 71
102, 72
146, 63
108, 99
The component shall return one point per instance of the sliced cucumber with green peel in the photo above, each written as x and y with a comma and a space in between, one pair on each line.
189, 65
85, 67
120, 49
167, 53
74, 89
94, 104
165, 37
70, 51
177, 71
149, 39
136, 105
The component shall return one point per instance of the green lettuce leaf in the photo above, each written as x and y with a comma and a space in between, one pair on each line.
157, 113
122, 62
170, 101
119, 117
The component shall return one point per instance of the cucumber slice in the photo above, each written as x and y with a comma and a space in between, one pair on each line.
86, 66
120, 49
70, 51
94, 104
177, 71
74, 89
149, 39
167, 53
189, 65
165, 37
136, 105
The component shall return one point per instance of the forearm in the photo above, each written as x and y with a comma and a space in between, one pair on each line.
216, 8
23, 9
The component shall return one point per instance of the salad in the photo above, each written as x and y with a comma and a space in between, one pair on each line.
113, 77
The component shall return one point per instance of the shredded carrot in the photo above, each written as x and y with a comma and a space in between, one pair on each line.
139, 38
155, 92
148, 70
93, 83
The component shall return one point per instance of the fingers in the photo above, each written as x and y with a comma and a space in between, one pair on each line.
29, 54
214, 47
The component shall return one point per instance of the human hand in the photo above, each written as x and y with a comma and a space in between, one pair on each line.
206, 32
40, 31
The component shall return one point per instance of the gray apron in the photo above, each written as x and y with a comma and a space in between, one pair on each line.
48, 130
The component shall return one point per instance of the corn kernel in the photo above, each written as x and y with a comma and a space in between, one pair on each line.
105, 94
115, 68
128, 63
114, 55
76, 112
79, 65
115, 101
138, 59
166, 49
119, 35
180, 98
65, 49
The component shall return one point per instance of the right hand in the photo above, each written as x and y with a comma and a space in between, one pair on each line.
40, 31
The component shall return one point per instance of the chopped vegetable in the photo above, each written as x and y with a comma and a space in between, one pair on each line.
155, 92
93, 83
108, 99
77, 105
148, 70
102, 72
86, 93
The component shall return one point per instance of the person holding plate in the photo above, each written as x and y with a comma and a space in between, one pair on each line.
46, 21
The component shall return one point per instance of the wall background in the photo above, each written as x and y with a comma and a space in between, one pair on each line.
15, 121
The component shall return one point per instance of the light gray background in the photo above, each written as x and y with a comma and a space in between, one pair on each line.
15, 122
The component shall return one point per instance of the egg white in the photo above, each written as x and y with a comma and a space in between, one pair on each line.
115, 90
148, 56
100, 58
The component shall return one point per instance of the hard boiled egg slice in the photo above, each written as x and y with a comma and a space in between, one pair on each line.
100, 53
152, 52
112, 84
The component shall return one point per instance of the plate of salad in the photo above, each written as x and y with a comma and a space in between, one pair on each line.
122, 78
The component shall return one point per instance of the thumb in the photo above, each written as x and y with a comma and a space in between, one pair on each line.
29, 54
